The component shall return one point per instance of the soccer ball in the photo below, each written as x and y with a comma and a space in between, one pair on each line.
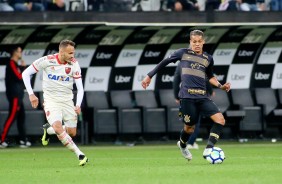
216, 156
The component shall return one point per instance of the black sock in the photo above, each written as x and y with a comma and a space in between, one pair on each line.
183, 138
214, 134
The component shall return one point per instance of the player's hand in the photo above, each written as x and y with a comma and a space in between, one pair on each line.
146, 82
77, 110
226, 87
33, 100
177, 101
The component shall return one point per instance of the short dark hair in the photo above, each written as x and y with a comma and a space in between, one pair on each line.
65, 43
14, 49
196, 32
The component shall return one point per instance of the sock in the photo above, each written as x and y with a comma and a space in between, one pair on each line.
183, 138
214, 134
68, 142
51, 130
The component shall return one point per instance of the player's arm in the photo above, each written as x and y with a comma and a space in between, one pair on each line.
79, 96
213, 80
176, 82
172, 58
26, 79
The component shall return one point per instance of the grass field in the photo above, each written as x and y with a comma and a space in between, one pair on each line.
248, 163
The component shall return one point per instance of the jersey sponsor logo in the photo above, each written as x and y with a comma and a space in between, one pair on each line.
68, 70
58, 77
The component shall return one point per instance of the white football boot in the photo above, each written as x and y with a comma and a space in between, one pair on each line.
185, 152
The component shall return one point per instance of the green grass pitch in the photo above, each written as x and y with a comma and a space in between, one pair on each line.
247, 163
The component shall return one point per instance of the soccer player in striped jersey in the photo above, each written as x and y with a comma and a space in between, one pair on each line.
196, 67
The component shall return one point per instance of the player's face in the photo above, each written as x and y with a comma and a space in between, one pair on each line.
196, 43
18, 53
67, 53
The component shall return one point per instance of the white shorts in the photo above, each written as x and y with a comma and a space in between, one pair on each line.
61, 111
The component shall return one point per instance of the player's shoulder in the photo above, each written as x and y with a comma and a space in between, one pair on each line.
207, 56
74, 60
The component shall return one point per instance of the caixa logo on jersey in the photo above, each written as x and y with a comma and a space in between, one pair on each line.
122, 78
165, 77
58, 77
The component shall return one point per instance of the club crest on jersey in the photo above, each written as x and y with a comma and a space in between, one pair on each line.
58, 77
68, 70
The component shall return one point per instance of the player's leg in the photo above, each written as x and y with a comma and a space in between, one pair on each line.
209, 109
189, 117
70, 120
192, 139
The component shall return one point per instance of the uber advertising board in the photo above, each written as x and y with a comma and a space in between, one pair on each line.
262, 75
140, 73
164, 78
33, 51
52, 48
4, 31
153, 54
130, 55
277, 76
106, 55
276, 36
2, 78
164, 36
92, 36
46, 34
5, 53
224, 53
121, 78
239, 75
141, 36
116, 37
84, 54
18, 36
236, 34
246, 53
172, 49
213, 35
97, 79
270, 53
220, 73
258, 35
66, 34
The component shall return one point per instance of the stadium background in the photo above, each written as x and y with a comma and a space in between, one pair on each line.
116, 56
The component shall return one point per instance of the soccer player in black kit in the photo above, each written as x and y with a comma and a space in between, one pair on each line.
196, 68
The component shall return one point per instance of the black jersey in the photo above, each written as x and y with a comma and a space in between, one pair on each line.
13, 80
195, 71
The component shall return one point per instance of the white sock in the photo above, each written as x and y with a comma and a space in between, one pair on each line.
51, 130
68, 142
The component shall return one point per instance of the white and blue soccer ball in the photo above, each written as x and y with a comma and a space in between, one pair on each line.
216, 156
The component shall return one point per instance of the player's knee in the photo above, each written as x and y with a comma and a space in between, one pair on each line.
221, 121
72, 134
189, 129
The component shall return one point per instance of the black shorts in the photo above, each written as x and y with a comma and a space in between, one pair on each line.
192, 109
